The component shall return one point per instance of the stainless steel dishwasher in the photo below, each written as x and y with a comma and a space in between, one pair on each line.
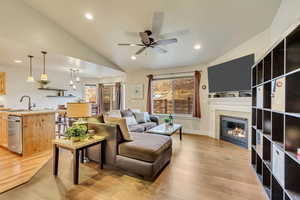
15, 135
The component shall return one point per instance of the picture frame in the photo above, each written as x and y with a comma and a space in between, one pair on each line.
137, 91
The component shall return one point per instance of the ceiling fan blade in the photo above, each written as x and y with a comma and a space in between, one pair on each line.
145, 38
174, 34
130, 44
157, 23
159, 50
140, 51
166, 42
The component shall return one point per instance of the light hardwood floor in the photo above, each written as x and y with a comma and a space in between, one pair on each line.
201, 169
16, 170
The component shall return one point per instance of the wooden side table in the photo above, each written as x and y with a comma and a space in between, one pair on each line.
76, 148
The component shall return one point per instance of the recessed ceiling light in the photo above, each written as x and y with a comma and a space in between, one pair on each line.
197, 47
18, 61
132, 45
89, 16
133, 58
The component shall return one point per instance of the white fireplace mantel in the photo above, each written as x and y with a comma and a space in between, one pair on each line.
235, 107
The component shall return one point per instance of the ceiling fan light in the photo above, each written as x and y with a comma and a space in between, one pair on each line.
132, 45
44, 77
133, 57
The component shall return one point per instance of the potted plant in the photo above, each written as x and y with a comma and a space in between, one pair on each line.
77, 132
43, 83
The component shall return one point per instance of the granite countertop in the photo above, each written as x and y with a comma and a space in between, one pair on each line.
31, 112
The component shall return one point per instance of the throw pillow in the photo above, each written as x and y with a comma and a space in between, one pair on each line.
122, 124
130, 121
147, 117
126, 113
140, 117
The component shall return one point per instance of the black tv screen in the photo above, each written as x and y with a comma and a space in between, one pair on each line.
234, 75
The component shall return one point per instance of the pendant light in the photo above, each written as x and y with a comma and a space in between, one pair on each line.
30, 77
71, 76
77, 77
44, 76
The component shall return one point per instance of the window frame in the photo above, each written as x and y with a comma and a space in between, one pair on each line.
171, 78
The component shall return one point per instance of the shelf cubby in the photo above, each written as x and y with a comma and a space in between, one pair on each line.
253, 117
267, 151
253, 137
260, 69
253, 158
286, 197
254, 80
259, 167
267, 95
267, 180
292, 95
277, 190
259, 143
268, 67
254, 97
293, 51
267, 125
278, 60
292, 134
277, 128
259, 119
292, 177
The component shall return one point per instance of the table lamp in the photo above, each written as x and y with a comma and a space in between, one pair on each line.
79, 110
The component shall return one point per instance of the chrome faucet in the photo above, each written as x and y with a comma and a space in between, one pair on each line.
29, 101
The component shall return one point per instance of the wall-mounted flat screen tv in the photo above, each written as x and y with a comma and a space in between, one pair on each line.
231, 76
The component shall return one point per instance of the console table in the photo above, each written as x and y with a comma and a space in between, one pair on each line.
76, 148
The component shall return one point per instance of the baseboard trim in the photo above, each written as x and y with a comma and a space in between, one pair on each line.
194, 132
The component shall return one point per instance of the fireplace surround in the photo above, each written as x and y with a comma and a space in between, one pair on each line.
234, 130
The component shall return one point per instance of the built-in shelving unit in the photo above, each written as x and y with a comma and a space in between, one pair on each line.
275, 129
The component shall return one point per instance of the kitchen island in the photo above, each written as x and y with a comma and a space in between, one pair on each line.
27, 132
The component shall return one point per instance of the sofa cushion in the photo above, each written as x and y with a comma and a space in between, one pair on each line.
136, 128
145, 147
148, 125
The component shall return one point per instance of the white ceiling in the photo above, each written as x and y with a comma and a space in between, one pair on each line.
11, 51
217, 25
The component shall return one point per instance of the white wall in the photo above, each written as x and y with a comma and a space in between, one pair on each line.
16, 86
288, 13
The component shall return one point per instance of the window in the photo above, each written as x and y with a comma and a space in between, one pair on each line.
173, 96
90, 93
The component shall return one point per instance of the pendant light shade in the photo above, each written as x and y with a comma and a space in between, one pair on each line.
44, 76
30, 77
71, 78
77, 76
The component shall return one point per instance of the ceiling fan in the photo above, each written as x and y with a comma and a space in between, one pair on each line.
151, 38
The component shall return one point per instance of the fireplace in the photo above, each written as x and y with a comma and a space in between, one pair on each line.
234, 130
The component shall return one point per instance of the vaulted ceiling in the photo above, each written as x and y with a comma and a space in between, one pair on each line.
217, 25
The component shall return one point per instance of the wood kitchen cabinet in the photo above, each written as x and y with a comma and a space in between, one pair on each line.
3, 129
2, 83
38, 133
